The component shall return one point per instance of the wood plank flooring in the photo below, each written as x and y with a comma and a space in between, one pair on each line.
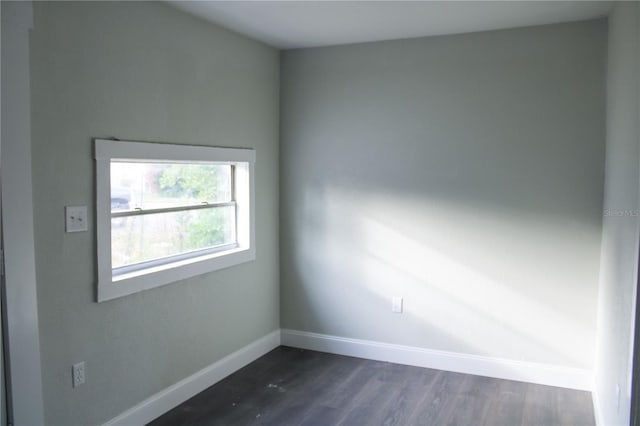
298, 387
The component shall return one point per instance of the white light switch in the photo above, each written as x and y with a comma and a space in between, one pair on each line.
76, 218
396, 304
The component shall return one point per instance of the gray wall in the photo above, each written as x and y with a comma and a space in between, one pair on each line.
619, 261
142, 71
464, 173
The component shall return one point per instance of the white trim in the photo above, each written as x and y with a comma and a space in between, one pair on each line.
597, 412
110, 287
174, 395
128, 150
552, 375
171, 273
23, 333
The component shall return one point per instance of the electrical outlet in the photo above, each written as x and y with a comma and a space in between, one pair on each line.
78, 374
396, 304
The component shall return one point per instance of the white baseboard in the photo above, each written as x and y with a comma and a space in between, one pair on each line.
165, 400
176, 394
596, 408
552, 375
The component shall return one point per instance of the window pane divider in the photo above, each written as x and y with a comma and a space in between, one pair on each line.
139, 212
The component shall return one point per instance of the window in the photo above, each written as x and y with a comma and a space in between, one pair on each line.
169, 212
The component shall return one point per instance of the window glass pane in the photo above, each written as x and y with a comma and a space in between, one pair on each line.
146, 237
161, 185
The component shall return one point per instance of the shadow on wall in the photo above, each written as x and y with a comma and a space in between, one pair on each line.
476, 278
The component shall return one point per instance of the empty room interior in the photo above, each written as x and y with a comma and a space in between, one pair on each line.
320, 213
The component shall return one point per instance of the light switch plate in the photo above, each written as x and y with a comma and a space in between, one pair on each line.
76, 218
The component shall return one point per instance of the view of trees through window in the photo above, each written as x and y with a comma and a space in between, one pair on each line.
170, 194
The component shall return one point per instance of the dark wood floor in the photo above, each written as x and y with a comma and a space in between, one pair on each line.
298, 387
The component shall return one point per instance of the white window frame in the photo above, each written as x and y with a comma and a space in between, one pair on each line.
243, 160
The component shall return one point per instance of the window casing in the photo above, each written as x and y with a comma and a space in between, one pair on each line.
169, 212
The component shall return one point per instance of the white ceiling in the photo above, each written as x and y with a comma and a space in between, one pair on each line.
293, 24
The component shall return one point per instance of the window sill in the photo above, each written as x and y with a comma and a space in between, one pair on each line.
133, 282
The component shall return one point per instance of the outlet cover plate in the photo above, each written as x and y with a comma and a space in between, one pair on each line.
78, 374
396, 304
